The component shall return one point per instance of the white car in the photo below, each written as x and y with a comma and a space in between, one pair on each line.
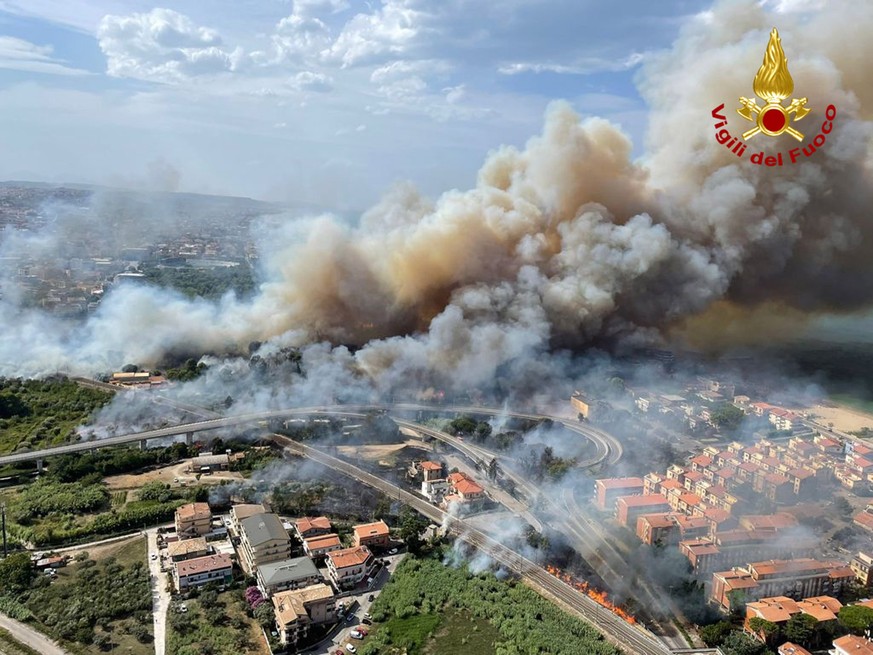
351, 648
356, 634
183, 608
393, 551
154, 556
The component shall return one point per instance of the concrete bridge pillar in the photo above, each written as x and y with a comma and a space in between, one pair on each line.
143, 444
39, 465
189, 438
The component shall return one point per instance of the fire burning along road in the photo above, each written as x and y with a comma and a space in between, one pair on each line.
598, 596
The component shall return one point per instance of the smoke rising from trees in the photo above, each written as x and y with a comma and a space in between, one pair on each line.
563, 243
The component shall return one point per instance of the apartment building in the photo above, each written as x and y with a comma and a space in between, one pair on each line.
263, 539
608, 490
202, 570
243, 511
193, 520
629, 508
306, 528
320, 546
372, 535
298, 609
347, 567
294, 573
179, 551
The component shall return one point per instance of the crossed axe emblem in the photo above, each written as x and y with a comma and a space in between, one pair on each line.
752, 112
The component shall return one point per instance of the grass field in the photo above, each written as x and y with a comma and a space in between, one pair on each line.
461, 634
72, 588
11, 646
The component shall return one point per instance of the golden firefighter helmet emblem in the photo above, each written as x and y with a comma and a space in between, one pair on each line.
773, 84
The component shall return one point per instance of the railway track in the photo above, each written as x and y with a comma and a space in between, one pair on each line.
634, 639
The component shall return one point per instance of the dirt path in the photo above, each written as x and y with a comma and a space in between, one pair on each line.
174, 475
30, 637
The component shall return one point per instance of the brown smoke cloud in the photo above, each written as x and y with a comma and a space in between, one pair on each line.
569, 240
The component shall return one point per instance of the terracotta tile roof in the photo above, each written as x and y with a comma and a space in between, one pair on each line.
468, 487
612, 483
291, 605
823, 608
203, 564
671, 484
193, 511
777, 521
864, 519
322, 541
854, 645
664, 520
460, 475
642, 501
187, 546
377, 529
430, 466
792, 649
702, 460
317, 523
343, 559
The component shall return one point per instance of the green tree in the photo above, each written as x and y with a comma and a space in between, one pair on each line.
768, 629
264, 615
842, 506
16, 573
856, 618
727, 416
713, 635
800, 628
739, 643
411, 526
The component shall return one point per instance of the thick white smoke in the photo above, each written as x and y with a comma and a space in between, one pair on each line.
562, 243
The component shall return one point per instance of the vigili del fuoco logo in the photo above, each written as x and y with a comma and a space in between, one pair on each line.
773, 84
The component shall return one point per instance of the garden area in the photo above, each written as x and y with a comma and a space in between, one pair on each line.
428, 608
91, 606
214, 624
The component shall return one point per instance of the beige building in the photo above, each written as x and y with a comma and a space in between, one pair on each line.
203, 570
243, 511
372, 534
179, 551
193, 520
322, 545
307, 528
297, 609
263, 539
349, 566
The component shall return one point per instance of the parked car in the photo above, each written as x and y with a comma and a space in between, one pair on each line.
366, 622
371, 597
356, 634
367, 615
154, 556
393, 551
351, 618
351, 648
183, 608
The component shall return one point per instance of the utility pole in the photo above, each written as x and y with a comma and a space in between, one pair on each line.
3, 517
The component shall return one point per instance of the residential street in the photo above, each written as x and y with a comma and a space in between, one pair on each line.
160, 596
340, 636
30, 637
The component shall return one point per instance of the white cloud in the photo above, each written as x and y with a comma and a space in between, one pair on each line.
163, 46
310, 81
581, 67
368, 38
454, 94
18, 54
319, 7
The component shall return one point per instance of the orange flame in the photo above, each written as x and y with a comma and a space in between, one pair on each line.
598, 596
773, 82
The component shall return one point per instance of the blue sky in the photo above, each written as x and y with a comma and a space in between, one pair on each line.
322, 101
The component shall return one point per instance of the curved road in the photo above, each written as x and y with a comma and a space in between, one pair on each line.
608, 448
635, 639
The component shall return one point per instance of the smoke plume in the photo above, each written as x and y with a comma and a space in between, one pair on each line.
563, 243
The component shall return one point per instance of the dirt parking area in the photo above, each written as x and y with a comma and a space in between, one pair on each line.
175, 475
843, 418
